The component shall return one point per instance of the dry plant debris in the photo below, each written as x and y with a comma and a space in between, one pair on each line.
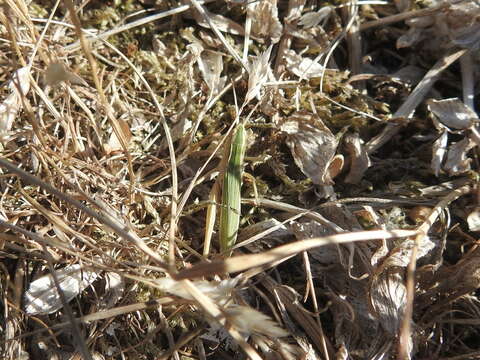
358, 211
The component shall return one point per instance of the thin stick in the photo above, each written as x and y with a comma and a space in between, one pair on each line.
403, 16
248, 28
281, 253
468, 80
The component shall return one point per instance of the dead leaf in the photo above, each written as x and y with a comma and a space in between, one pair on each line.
312, 145
327, 255
457, 161
462, 20
314, 18
249, 231
114, 290
221, 22
42, 295
265, 23
388, 296
359, 159
210, 64
114, 145
178, 131
457, 25
19, 86
335, 166
302, 67
452, 114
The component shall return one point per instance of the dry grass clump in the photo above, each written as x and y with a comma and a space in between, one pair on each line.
359, 216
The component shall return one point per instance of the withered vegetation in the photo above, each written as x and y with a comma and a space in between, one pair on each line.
360, 198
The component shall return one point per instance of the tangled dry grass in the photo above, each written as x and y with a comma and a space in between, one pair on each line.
360, 203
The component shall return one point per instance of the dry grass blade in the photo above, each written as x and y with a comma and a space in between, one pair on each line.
110, 313
295, 210
404, 16
173, 207
245, 262
103, 36
103, 218
117, 127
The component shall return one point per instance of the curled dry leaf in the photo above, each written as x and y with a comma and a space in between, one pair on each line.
388, 293
195, 47
388, 296
312, 145
114, 145
265, 23
42, 296
409, 75
453, 114
302, 67
210, 64
313, 18
457, 161
18, 86
402, 5
326, 255
359, 159
456, 25
400, 256
387, 289
451, 283
222, 23
335, 166
462, 21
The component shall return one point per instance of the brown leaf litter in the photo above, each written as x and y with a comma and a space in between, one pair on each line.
360, 200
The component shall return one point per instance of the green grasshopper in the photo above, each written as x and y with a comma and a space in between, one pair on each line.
231, 192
